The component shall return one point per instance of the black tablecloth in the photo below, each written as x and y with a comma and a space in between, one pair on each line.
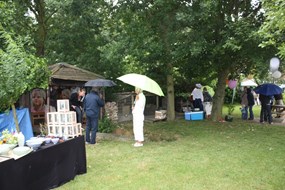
49, 167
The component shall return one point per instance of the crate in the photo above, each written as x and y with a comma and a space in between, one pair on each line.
63, 105
199, 115
161, 114
187, 115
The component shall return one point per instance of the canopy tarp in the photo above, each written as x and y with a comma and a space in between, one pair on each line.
7, 122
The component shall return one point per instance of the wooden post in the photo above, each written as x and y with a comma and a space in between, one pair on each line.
15, 118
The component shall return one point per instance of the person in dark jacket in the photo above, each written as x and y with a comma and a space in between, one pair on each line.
75, 102
265, 112
92, 104
250, 100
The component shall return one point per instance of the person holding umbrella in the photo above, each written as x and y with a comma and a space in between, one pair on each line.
138, 117
266, 93
265, 112
140, 82
92, 103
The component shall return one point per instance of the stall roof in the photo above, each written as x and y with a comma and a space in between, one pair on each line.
69, 75
65, 71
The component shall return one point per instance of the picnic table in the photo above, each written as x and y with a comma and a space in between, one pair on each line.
279, 112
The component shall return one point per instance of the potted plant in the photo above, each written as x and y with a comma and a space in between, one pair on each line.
229, 116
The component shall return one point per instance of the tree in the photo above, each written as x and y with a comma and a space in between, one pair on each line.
19, 71
226, 31
273, 28
150, 38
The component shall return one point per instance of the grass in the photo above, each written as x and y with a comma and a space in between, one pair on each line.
199, 155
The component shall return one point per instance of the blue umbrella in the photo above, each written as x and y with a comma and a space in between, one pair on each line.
268, 89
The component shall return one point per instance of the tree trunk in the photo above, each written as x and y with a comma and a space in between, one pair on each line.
218, 99
170, 98
15, 118
42, 30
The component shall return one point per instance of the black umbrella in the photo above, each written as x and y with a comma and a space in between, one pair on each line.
99, 83
268, 89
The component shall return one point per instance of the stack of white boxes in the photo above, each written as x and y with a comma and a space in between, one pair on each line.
63, 122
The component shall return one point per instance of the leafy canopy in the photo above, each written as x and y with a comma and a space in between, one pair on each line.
19, 70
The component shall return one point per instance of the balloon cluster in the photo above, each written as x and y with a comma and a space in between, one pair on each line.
274, 65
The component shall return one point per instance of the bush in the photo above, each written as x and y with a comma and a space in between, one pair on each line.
106, 125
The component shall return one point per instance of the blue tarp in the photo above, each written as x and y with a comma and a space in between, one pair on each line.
7, 122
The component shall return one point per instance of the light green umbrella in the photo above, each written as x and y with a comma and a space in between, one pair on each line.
143, 82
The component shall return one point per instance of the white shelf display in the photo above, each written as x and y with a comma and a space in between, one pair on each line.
63, 123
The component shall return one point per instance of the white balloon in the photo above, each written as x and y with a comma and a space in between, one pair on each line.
276, 74
275, 60
274, 64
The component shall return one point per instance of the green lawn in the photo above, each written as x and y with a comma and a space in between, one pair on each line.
198, 155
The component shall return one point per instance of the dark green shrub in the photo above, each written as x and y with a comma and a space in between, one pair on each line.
106, 125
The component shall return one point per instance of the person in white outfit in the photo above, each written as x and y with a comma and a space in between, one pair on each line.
138, 117
198, 97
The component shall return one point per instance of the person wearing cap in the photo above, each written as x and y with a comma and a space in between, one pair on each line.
198, 98
138, 117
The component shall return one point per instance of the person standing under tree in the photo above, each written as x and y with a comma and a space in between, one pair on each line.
138, 117
244, 104
92, 103
207, 102
250, 100
198, 97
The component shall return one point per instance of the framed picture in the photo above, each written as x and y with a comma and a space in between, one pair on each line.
62, 105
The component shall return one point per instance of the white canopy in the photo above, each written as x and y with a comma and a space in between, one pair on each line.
248, 82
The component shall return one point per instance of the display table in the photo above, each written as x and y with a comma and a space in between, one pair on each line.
48, 167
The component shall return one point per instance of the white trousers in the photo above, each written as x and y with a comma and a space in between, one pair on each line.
138, 120
208, 107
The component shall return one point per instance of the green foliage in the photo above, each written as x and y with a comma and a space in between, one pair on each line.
273, 28
19, 71
228, 95
231, 108
106, 125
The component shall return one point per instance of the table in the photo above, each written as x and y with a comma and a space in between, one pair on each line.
48, 167
279, 110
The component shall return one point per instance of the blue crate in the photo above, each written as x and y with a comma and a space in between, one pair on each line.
199, 115
187, 115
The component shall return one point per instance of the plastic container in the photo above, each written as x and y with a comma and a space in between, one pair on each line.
187, 115
21, 139
197, 115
